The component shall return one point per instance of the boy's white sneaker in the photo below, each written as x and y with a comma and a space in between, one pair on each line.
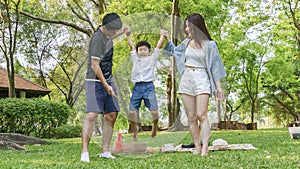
85, 157
107, 154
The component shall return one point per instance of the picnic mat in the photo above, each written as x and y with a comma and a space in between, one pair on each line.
228, 147
142, 148
218, 144
294, 132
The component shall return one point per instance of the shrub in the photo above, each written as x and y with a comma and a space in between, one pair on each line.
66, 131
34, 117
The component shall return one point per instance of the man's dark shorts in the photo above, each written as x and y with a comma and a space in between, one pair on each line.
98, 100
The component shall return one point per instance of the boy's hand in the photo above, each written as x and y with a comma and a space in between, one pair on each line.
165, 34
127, 30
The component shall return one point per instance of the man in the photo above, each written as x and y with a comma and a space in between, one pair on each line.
100, 90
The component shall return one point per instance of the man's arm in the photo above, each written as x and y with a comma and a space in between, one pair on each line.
120, 32
96, 68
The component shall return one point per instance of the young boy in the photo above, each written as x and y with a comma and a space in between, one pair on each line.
100, 90
143, 76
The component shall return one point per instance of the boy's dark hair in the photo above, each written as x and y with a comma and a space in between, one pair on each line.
143, 43
112, 21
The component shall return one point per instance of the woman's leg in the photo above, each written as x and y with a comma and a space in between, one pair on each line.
202, 106
191, 112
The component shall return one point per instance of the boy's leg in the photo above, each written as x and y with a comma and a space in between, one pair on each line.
150, 101
133, 122
108, 127
155, 118
86, 134
135, 103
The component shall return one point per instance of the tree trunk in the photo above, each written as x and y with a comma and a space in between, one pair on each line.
9, 29
252, 110
11, 78
16, 141
173, 102
101, 7
10, 145
171, 117
178, 126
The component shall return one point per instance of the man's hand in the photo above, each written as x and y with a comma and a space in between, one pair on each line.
110, 91
127, 30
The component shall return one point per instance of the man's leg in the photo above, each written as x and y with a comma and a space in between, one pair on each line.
155, 118
108, 127
86, 134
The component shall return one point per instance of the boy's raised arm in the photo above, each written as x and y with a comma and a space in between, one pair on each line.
161, 39
130, 43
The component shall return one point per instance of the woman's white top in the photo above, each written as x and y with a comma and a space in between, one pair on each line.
195, 57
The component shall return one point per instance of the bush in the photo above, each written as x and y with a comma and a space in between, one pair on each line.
35, 117
66, 131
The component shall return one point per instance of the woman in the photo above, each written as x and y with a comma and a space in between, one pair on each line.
201, 69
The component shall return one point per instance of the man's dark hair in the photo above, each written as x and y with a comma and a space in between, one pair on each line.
143, 43
112, 21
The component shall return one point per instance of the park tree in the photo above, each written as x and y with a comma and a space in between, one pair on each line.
37, 43
68, 38
295, 59
281, 80
246, 41
261, 30
171, 82
9, 14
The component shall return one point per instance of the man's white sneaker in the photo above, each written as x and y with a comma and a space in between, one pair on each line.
85, 157
107, 154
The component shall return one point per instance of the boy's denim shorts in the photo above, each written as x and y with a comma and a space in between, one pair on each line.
98, 100
143, 91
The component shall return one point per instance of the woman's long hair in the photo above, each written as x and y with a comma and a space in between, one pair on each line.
198, 28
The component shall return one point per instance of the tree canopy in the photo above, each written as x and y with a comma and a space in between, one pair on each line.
46, 42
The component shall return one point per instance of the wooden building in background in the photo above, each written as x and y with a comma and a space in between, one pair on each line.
24, 88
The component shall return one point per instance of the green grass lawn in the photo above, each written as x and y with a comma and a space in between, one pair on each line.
275, 150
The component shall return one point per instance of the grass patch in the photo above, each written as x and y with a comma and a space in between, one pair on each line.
275, 150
